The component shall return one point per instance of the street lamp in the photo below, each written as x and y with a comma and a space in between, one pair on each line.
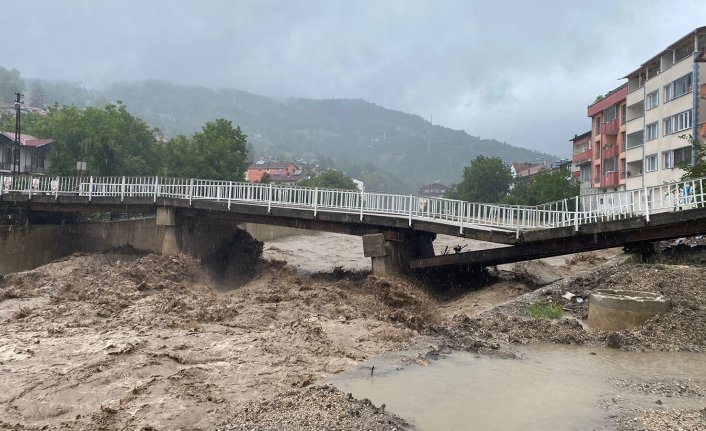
16, 147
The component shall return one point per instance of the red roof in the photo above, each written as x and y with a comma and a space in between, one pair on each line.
27, 140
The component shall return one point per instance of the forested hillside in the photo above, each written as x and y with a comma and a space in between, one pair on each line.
392, 150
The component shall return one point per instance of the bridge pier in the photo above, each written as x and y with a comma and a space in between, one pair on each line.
166, 217
390, 252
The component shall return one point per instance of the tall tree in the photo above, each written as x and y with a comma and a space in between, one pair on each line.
10, 83
486, 179
218, 151
546, 186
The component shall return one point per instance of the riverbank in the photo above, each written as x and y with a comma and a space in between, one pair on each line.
126, 341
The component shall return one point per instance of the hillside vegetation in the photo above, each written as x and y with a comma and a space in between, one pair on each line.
389, 150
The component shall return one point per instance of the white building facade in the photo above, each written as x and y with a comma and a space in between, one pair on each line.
666, 100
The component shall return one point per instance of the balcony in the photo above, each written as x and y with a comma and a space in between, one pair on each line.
610, 151
612, 127
610, 179
581, 157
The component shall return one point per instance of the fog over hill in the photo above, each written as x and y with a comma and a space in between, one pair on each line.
352, 133
392, 150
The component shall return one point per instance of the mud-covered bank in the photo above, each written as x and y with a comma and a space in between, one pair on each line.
124, 341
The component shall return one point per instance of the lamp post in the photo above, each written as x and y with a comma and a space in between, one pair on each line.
16, 147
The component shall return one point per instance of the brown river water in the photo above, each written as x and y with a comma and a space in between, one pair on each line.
552, 387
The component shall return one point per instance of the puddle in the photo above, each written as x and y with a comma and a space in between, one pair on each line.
552, 385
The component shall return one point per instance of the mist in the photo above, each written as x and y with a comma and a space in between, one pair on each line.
520, 72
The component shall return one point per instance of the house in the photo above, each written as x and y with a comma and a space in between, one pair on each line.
32, 156
525, 169
434, 190
279, 172
666, 98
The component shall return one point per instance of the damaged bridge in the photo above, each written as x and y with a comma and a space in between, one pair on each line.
397, 230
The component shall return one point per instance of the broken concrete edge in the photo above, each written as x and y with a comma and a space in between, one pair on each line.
616, 310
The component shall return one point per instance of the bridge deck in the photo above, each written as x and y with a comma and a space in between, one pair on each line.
571, 225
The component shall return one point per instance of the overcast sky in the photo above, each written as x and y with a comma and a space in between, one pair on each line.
518, 71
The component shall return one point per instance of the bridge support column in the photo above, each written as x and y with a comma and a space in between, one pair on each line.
166, 217
390, 252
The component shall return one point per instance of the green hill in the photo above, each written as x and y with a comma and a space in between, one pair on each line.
352, 133
390, 150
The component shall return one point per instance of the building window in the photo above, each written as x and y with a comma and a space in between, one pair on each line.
677, 122
652, 100
651, 131
677, 88
674, 158
683, 120
610, 114
651, 163
7, 159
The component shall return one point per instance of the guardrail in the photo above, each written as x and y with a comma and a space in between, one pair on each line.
568, 212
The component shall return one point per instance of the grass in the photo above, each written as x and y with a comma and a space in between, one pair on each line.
542, 310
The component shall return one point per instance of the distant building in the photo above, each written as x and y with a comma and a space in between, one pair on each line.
525, 169
33, 153
434, 190
279, 172
581, 157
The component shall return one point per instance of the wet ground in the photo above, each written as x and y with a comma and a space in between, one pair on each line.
119, 341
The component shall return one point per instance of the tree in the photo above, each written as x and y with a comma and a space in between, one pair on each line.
218, 152
330, 180
697, 169
10, 83
266, 178
546, 186
486, 179
110, 140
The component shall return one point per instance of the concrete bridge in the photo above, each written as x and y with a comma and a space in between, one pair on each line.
397, 230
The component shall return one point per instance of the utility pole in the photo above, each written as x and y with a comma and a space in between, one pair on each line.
18, 129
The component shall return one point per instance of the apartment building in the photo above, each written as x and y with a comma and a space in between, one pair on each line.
581, 159
608, 135
666, 98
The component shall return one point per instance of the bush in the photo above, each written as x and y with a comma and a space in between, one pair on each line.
542, 310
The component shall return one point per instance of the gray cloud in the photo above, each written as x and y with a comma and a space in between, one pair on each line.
521, 71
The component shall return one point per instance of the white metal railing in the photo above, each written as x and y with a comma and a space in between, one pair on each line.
568, 212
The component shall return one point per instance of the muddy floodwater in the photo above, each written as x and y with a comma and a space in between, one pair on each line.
552, 387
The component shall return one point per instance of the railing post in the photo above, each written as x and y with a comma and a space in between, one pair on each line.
269, 199
576, 214
156, 188
461, 215
362, 200
230, 192
90, 188
122, 190
410, 210
191, 190
29, 188
56, 192
647, 205
316, 199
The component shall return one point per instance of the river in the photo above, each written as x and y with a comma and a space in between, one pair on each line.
551, 387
